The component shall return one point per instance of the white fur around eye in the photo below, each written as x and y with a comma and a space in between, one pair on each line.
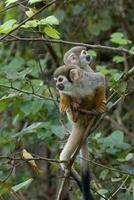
84, 52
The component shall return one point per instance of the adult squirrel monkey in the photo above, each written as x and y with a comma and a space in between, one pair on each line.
89, 88
76, 56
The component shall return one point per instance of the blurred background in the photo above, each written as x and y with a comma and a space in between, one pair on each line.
29, 114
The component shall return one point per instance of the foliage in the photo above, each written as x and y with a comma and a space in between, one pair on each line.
29, 112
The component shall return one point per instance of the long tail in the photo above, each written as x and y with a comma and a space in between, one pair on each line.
72, 143
69, 149
85, 173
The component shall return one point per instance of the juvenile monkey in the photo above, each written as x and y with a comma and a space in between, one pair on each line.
89, 88
79, 56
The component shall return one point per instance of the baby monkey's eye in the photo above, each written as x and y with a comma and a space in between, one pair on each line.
84, 52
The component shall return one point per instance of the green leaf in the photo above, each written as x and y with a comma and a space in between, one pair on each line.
16, 64
4, 188
51, 32
118, 59
23, 73
30, 12
31, 24
36, 106
29, 129
114, 140
116, 76
103, 174
102, 191
10, 97
51, 20
92, 53
103, 69
22, 185
58, 131
77, 9
26, 107
119, 38
127, 168
132, 50
34, 66
8, 26
8, 2
129, 156
34, 1
14, 75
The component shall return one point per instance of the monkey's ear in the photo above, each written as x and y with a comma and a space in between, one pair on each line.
72, 58
74, 75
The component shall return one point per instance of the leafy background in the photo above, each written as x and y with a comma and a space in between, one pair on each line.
31, 121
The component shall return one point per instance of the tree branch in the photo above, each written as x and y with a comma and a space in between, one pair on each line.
97, 47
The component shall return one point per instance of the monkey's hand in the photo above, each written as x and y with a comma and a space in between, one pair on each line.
65, 102
75, 106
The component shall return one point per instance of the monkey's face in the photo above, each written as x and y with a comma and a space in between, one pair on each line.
80, 58
67, 84
84, 57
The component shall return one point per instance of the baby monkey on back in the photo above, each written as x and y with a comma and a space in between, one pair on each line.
79, 84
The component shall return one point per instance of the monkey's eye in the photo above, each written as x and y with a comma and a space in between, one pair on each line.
60, 79
84, 52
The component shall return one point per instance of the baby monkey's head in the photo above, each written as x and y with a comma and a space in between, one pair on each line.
77, 56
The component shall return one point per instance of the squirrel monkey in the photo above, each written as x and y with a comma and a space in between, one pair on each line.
89, 88
76, 56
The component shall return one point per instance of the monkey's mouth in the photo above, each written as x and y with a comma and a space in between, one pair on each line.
60, 87
88, 58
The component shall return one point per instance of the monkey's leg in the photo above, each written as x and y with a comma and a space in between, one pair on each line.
65, 102
101, 100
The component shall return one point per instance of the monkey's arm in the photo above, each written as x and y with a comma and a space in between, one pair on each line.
65, 102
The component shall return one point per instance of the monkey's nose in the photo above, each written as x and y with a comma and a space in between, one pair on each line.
60, 87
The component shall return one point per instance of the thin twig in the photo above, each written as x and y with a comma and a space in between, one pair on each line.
119, 188
27, 92
62, 185
106, 167
34, 158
